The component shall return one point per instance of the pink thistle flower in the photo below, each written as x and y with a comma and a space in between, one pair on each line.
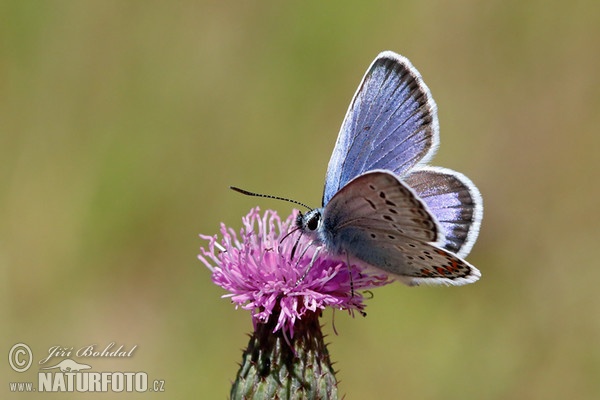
276, 275
258, 270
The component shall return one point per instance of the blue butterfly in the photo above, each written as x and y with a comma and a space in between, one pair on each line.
383, 207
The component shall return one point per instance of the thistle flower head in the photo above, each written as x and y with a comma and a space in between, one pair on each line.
266, 274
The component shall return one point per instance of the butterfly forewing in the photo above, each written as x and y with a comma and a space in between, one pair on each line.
391, 124
455, 203
377, 200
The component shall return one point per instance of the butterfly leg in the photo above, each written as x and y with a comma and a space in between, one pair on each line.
310, 265
295, 247
350, 274
348, 265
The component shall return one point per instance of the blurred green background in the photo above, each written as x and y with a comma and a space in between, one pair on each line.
122, 124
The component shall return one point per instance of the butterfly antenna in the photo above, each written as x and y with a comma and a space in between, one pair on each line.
268, 196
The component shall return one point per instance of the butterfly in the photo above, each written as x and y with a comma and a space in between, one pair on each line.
383, 207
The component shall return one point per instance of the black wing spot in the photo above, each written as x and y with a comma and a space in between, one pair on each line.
388, 218
371, 204
390, 203
382, 195
393, 211
374, 236
399, 229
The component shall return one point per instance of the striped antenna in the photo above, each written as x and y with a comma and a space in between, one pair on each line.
268, 196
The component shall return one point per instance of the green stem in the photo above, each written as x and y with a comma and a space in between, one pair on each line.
273, 368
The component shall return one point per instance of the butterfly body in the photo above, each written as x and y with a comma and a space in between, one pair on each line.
382, 206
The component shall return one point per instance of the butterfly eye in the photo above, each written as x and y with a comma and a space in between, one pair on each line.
313, 222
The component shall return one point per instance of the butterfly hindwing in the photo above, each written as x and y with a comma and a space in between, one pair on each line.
455, 203
411, 261
391, 124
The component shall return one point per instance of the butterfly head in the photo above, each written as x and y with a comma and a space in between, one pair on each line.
310, 222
